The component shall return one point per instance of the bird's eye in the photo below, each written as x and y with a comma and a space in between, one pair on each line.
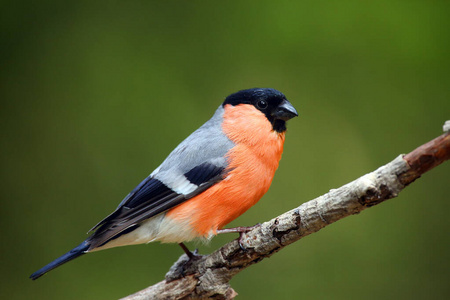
261, 104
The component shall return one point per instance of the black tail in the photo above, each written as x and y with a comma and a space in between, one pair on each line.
74, 253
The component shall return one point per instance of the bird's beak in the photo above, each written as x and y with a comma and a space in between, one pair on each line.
284, 111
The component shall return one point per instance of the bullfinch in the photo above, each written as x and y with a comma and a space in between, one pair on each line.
212, 177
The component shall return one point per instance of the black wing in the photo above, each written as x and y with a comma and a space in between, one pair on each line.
148, 199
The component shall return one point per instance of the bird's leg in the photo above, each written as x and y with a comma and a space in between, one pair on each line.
237, 229
190, 254
183, 265
240, 230
186, 250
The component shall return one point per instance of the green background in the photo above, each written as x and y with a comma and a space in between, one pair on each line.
94, 95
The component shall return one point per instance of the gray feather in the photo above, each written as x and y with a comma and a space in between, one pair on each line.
206, 144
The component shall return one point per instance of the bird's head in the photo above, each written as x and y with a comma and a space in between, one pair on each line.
272, 103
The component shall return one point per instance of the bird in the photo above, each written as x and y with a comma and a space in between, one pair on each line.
211, 178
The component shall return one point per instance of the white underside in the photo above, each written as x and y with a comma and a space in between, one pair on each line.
158, 228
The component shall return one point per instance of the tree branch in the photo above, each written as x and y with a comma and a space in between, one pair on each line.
208, 276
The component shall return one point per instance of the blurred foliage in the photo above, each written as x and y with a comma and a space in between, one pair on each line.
95, 94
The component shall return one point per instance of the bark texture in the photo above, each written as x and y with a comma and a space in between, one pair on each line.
208, 276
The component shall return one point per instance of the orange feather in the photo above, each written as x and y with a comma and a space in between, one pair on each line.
251, 166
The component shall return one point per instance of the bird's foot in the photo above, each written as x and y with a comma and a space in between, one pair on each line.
181, 267
192, 255
240, 230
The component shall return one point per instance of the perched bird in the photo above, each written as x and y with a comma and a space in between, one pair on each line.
212, 177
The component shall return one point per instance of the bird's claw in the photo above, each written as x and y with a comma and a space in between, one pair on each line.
241, 236
240, 243
181, 268
194, 255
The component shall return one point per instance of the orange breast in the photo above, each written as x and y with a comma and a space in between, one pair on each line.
252, 165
